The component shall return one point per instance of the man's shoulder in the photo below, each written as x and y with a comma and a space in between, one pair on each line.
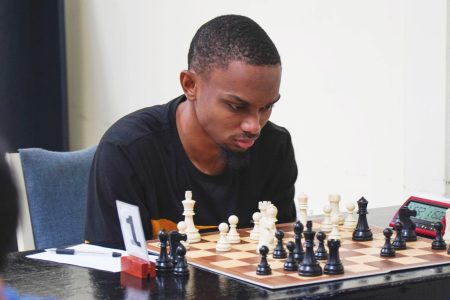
273, 131
147, 122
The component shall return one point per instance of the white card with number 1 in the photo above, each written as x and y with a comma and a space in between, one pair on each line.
132, 232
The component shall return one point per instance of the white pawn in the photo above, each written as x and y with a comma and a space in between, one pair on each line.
254, 234
350, 220
334, 234
181, 226
301, 205
446, 236
223, 244
326, 223
233, 234
334, 200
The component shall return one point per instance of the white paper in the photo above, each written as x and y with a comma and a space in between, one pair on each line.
132, 231
88, 260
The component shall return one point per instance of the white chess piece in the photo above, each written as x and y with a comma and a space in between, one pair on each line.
254, 234
223, 244
268, 228
447, 227
326, 223
181, 226
334, 200
192, 233
301, 205
334, 234
233, 235
350, 220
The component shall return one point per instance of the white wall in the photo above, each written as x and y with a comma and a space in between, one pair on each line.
363, 91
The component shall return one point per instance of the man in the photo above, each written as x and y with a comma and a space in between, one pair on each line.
214, 140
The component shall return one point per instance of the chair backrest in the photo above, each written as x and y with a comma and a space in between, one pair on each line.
56, 187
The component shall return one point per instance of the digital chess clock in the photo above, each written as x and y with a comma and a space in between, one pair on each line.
428, 213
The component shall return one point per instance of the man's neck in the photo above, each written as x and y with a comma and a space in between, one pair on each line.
201, 150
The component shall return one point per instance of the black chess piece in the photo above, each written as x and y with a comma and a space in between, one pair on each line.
387, 250
438, 242
279, 251
362, 231
321, 252
399, 243
299, 253
263, 267
290, 264
309, 265
163, 262
334, 264
409, 227
175, 239
181, 268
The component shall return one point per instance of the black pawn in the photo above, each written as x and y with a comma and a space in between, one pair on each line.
387, 250
309, 265
163, 262
399, 242
334, 265
279, 251
438, 242
298, 251
181, 268
263, 267
362, 231
321, 252
290, 264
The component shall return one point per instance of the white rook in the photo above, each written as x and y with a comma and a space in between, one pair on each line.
192, 233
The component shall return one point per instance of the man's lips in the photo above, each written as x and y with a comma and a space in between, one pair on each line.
245, 143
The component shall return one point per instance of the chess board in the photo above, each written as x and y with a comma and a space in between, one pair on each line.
359, 258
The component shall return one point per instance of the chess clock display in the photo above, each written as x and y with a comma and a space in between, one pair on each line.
428, 212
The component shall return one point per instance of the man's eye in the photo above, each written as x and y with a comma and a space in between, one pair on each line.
268, 107
235, 106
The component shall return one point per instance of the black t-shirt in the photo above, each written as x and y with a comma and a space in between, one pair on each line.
140, 160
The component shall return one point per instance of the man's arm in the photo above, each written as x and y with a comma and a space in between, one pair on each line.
112, 178
281, 187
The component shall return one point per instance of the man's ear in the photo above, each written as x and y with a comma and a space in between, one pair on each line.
188, 81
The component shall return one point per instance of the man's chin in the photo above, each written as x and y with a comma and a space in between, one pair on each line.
235, 157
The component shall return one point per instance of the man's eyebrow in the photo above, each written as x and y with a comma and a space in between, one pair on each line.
237, 98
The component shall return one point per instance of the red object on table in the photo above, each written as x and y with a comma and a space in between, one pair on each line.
137, 267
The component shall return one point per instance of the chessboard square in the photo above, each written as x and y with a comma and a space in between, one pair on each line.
408, 260
211, 237
415, 252
230, 263
369, 251
199, 253
276, 264
244, 247
154, 244
247, 239
364, 258
358, 268
239, 255
346, 234
204, 246
274, 274
374, 243
419, 244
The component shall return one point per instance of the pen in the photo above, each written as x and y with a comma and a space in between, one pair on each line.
75, 252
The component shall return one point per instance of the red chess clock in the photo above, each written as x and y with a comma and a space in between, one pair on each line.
428, 212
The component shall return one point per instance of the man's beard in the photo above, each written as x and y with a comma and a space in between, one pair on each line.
235, 160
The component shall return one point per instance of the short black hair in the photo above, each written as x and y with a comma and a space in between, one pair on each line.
8, 208
231, 38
